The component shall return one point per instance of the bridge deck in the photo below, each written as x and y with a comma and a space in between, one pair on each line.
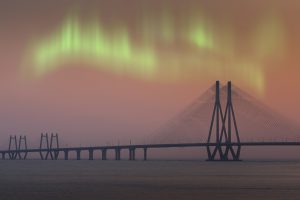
142, 146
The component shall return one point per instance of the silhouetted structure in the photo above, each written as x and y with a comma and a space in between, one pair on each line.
54, 145
223, 142
13, 147
49, 148
22, 146
44, 144
223, 129
229, 117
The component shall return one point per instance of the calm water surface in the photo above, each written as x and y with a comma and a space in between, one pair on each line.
43, 180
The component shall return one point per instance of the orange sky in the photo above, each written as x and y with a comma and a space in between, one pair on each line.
94, 104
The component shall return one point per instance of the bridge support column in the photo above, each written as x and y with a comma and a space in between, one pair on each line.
56, 153
44, 146
22, 156
41, 155
25, 155
91, 154
22, 147
132, 154
13, 155
232, 153
145, 153
104, 151
66, 152
13, 147
118, 153
78, 154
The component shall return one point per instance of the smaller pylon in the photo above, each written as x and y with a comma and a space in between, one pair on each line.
22, 147
44, 144
54, 146
13, 147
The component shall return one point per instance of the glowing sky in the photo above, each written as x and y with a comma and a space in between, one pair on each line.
155, 48
94, 44
101, 69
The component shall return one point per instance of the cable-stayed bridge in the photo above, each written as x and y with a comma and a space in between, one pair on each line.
231, 123
256, 121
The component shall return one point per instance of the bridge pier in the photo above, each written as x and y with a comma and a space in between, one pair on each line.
91, 154
22, 146
118, 153
41, 155
44, 157
3, 156
56, 153
231, 153
104, 153
24, 155
13, 147
216, 153
44, 144
145, 153
66, 153
51, 155
13, 155
78, 154
131, 153
10, 155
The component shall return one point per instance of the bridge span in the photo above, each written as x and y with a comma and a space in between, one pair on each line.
55, 152
223, 142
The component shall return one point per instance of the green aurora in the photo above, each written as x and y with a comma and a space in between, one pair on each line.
95, 44
155, 53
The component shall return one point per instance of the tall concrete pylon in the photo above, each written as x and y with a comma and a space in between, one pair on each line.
220, 145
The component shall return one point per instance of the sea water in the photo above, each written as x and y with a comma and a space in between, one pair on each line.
143, 180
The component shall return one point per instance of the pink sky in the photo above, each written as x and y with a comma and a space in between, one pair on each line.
95, 106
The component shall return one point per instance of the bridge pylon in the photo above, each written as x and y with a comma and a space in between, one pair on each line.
22, 146
13, 146
216, 152
219, 145
51, 146
44, 144
54, 145
231, 152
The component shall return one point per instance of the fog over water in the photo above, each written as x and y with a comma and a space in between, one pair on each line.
35, 179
